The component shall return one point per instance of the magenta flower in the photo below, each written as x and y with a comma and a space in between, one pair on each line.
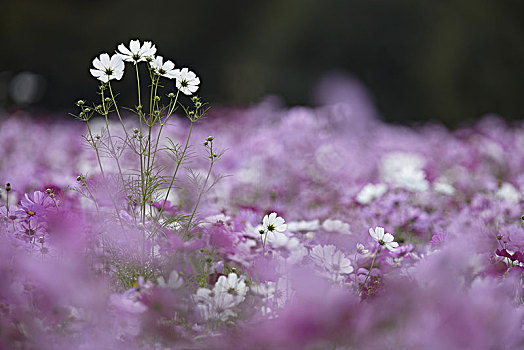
438, 238
33, 208
515, 256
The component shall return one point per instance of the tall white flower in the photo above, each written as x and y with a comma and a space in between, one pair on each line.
165, 69
186, 81
332, 261
272, 224
108, 68
384, 239
136, 52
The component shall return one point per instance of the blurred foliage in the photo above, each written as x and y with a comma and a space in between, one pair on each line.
447, 60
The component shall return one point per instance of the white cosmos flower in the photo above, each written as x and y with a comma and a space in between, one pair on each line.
186, 81
361, 249
137, 53
384, 239
108, 68
332, 261
231, 285
370, 192
336, 226
165, 69
174, 281
297, 226
509, 193
272, 224
214, 306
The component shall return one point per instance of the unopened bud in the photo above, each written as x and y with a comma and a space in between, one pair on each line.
80, 103
171, 95
8, 187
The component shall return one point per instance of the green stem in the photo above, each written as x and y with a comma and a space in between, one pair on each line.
179, 161
160, 131
372, 265
356, 268
201, 192
96, 150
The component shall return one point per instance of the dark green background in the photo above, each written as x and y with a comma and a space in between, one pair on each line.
421, 59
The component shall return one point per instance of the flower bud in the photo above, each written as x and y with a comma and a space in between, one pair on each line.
48, 191
80, 103
210, 138
171, 95
8, 187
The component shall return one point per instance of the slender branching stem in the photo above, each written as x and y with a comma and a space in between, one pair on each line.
179, 161
204, 186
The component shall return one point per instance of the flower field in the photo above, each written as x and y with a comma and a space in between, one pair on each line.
287, 228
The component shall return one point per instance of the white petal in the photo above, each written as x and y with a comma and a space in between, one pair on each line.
169, 65
388, 237
96, 73
106, 61
279, 221
97, 64
134, 45
124, 50
118, 74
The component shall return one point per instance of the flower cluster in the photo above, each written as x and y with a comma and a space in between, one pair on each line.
107, 67
107, 248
